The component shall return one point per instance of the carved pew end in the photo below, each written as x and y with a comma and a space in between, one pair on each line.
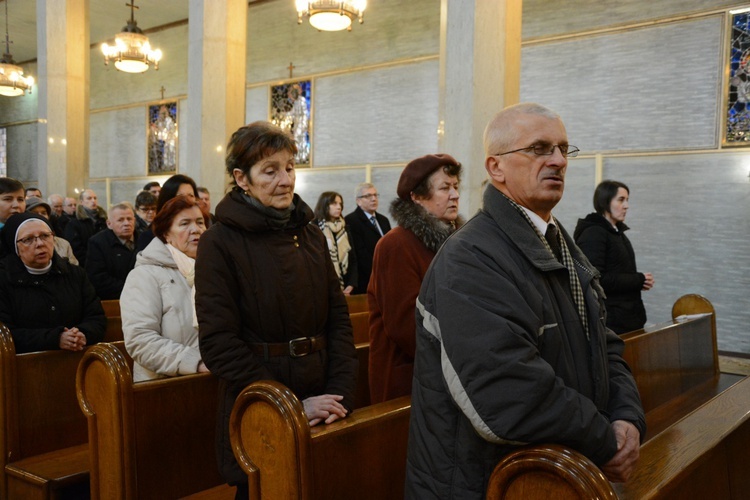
548, 472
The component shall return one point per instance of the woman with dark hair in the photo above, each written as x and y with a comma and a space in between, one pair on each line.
12, 201
158, 301
601, 236
426, 211
177, 185
45, 301
328, 216
268, 299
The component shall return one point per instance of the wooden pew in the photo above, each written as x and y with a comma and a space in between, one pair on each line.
357, 303
113, 333
153, 439
362, 456
360, 326
697, 417
43, 432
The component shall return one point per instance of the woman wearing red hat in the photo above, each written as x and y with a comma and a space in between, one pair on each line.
427, 213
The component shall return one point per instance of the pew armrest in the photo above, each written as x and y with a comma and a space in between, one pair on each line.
548, 471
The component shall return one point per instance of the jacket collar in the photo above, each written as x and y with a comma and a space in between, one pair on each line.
233, 211
365, 218
428, 229
157, 254
520, 232
17, 273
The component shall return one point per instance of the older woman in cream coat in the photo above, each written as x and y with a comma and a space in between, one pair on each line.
158, 300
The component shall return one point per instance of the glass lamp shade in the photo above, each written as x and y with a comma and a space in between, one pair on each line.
330, 21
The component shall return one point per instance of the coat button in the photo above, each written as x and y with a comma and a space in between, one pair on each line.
295, 237
53, 308
296, 245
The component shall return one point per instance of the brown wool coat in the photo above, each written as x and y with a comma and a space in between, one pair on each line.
257, 284
401, 260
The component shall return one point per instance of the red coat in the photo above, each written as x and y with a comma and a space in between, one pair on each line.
400, 262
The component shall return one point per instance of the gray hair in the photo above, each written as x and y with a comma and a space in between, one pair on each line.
500, 133
123, 205
361, 187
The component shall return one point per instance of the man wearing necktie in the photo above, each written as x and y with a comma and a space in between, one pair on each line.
366, 227
511, 343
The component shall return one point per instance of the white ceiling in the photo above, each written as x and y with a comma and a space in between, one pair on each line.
106, 19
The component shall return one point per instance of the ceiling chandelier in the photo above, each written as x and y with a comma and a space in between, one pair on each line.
12, 81
131, 52
331, 15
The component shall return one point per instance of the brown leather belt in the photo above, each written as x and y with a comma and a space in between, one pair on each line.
295, 348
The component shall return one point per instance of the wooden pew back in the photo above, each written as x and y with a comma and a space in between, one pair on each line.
672, 360
357, 303
360, 326
38, 405
363, 455
153, 439
698, 421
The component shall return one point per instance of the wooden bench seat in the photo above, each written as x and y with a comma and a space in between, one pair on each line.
43, 432
152, 439
357, 303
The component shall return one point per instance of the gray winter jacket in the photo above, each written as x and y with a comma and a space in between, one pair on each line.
502, 359
157, 317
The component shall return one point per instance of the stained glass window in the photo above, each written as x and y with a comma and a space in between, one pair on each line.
738, 104
162, 138
290, 110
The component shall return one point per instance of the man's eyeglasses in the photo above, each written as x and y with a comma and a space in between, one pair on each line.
148, 210
369, 196
547, 150
30, 240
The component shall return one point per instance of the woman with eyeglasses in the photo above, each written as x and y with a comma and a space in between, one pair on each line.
601, 236
46, 302
328, 215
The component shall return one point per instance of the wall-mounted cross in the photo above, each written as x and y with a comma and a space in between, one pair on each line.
291, 69
162, 89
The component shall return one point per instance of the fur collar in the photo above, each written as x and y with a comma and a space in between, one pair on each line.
428, 229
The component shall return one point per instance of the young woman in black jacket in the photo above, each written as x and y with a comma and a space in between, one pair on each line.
601, 236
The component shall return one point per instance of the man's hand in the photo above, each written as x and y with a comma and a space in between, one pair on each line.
325, 407
619, 468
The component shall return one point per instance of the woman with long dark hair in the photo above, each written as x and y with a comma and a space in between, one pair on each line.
329, 219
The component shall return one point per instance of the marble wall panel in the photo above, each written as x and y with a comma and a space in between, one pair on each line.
386, 180
256, 104
118, 143
648, 89
393, 30
310, 183
652, 88
22, 153
376, 116
544, 18
689, 226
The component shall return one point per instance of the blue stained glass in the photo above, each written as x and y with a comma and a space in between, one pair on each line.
290, 110
738, 102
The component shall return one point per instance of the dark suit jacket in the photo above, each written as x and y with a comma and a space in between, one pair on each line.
364, 238
108, 263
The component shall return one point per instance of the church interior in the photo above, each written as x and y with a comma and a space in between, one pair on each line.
654, 94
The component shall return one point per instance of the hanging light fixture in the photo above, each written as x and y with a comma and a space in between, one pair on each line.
331, 15
131, 52
12, 81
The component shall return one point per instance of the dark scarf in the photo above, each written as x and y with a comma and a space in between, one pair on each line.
277, 219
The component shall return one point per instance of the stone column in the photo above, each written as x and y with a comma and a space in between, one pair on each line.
63, 102
216, 87
480, 69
